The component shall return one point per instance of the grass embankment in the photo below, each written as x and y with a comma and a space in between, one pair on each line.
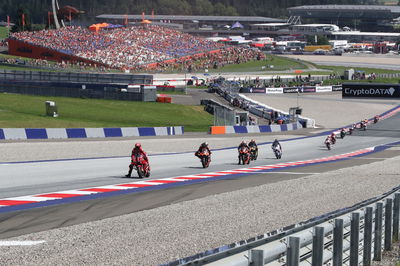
23, 111
339, 70
3, 33
269, 64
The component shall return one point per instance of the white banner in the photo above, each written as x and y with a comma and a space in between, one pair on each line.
273, 90
323, 88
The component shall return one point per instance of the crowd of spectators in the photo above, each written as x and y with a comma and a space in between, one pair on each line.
138, 47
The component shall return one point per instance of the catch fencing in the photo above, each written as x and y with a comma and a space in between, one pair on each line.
75, 77
351, 236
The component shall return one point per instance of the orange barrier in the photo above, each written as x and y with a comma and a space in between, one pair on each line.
215, 130
164, 99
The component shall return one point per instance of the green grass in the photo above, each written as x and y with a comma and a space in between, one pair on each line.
278, 63
341, 69
3, 33
23, 111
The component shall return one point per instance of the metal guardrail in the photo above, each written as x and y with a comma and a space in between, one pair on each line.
350, 236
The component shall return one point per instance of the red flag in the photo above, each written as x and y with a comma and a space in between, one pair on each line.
8, 21
142, 15
126, 19
23, 19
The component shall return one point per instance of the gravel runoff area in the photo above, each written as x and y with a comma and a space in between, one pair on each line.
167, 233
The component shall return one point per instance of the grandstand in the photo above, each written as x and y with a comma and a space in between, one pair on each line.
127, 48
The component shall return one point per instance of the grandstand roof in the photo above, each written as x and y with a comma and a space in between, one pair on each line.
191, 18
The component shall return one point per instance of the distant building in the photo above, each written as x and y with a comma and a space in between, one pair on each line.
357, 17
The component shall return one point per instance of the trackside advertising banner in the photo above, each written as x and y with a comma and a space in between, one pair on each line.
273, 90
371, 90
252, 90
336, 87
323, 88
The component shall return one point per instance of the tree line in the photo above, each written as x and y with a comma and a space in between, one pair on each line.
36, 10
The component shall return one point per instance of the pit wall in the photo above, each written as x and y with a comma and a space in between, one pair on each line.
216, 130
72, 133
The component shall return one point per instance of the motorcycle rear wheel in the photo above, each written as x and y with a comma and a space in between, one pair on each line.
140, 172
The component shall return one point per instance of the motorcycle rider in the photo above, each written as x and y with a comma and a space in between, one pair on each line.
136, 151
202, 146
376, 119
241, 145
276, 145
253, 144
333, 138
342, 133
328, 140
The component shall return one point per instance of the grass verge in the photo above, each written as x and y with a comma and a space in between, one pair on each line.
24, 111
270, 63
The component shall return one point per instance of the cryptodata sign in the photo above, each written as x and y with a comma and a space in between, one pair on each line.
377, 90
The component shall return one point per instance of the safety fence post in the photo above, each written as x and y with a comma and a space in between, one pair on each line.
378, 232
257, 257
388, 224
318, 246
396, 216
338, 243
367, 236
354, 238
293, 252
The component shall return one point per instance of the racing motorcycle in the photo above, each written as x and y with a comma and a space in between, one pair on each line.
342, 133
253, 153
141, 165
363, 126
205, 157
328, 144
244, 155
277, 152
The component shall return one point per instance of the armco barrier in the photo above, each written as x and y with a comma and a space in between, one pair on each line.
215, 130
309, 122
350, 236
70, 133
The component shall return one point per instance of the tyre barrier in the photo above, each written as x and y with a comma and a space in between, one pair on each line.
215, 130
71, 133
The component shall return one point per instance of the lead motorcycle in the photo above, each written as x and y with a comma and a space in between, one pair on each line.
244, 155
205, 157
141, 165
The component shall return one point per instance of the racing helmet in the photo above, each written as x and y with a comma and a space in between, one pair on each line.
138, 145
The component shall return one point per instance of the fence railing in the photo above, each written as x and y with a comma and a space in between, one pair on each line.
75, 77
350, 236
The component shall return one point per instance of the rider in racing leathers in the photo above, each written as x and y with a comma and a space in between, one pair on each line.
137, 150
276, 145
252, 144
202, 146
243, 144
